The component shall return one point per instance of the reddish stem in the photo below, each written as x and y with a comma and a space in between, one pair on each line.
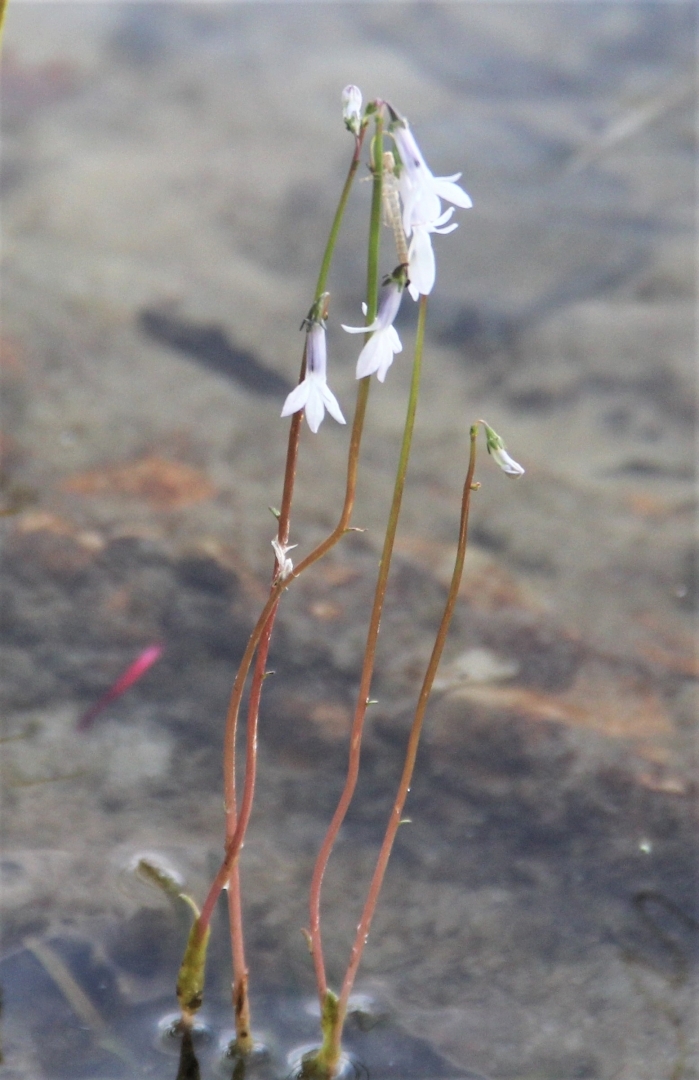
235, 913
411, 752
260, 638
233, 844
367, 670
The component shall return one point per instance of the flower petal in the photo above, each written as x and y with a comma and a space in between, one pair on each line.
330, 402
315, 409
506, 463
451, 192
296, 399
386, 359
394, 340
362, 329
389, 304
424, 208
422, 269
442, 219
370, 356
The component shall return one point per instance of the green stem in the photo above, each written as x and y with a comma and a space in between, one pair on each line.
374, 252
367, 672
339, 214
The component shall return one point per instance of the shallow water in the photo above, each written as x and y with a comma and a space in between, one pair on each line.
49, 1034
169, 173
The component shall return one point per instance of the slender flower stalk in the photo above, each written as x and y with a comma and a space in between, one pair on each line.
236, 826
331, 1049
365, 681
267, 615
315, 939
363, 389
289, 480
413, 741
241, 1001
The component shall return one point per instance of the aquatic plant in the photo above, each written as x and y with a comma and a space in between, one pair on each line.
407, 197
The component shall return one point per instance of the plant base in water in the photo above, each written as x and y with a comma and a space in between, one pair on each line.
305, 1065
253, 1064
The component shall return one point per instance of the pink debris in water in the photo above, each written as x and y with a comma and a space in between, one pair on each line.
132, 674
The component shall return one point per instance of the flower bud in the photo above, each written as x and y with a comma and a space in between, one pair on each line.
497, 450
352, 108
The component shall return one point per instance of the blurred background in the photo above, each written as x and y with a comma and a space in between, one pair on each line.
169, 174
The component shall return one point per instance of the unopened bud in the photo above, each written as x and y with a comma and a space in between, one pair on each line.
352, 108
498, 451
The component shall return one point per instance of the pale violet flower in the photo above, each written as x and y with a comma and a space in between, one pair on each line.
313, 394
285, 566
377, 355
498, 451
420, 190
421, 263
352, 108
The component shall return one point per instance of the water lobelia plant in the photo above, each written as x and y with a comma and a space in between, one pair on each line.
408, 198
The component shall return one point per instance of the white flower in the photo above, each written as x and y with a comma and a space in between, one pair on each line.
284, 565
497, 450
313, 394
420, 190
352, 108
377, 355
421, 264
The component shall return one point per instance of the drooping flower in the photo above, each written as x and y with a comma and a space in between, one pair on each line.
352, 108
313, 394
377, 355
420, 190
421, 264
498, 451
